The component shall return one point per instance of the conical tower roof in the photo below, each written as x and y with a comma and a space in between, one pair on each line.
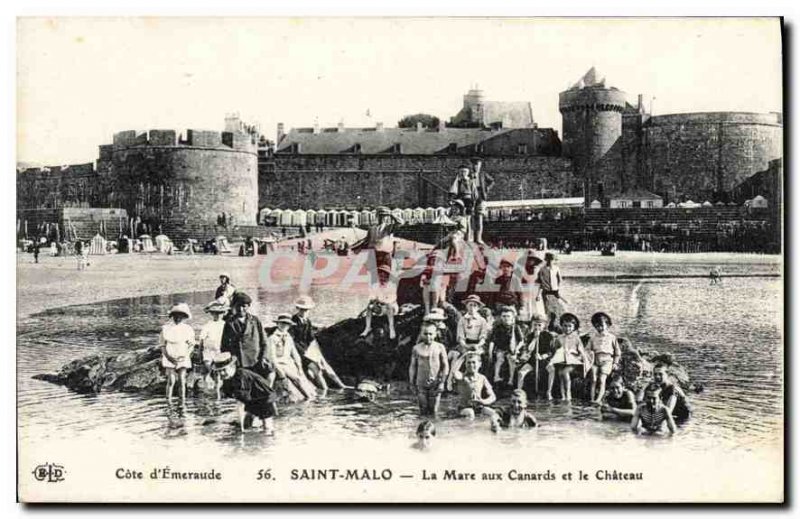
592, 78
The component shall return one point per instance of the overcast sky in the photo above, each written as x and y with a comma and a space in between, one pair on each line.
81, 80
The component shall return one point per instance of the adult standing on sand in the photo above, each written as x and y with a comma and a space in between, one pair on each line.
243, 336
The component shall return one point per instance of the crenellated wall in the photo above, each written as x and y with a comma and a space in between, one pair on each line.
163, 178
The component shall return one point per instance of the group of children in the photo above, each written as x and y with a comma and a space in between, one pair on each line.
487, 354
248, 371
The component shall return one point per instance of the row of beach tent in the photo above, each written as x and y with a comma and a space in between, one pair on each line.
345, 218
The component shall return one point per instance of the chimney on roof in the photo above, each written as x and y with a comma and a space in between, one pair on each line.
640, 106
280, 133
316, 126
378, 127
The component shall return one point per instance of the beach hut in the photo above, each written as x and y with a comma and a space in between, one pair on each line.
595, 204
419, 215
263, 215
354, 218
222, 244
365, 218
759, 202
286, 217
322, 216
440, 212
147, 243
163, 244
298, 218
707, 204
430, 214
275, 216
408, 215
97, 245
397, 213
311, 217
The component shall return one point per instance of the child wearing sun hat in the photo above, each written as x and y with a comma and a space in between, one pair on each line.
177, 342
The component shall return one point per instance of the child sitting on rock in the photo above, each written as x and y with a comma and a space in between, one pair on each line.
605, 348
253, 392
504, 342
383, 299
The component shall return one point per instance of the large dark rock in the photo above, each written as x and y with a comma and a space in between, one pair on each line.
137, 371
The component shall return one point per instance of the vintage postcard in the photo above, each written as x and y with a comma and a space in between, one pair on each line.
400, 260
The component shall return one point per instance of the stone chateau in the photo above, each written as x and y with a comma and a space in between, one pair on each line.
609, 150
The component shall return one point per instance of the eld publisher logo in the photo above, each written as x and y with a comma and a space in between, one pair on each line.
49, 472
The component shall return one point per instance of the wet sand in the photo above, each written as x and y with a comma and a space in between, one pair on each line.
56, 282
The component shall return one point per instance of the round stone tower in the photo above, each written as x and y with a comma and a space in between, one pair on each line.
186, 184
473, 105
591, 131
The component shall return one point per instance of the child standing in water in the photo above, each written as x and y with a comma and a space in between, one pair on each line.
211, 341
177, 342
606, 351
569, 354
428, 370
475, 393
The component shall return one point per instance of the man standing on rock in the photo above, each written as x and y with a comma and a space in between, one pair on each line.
482, 183
243, 336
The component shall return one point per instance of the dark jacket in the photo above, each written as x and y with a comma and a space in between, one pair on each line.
245, 341
303, 332
251, 389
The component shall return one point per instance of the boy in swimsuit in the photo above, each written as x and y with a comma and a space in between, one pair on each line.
475, 393
426, 432
671, 394
428, 370
652, 414
516, 416
606, 355
620, 403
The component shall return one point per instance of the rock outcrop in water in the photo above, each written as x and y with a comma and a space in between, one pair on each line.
138, 371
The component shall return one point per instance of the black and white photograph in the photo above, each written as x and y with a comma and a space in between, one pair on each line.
400, 260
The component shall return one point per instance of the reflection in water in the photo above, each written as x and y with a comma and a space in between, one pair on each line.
729, 337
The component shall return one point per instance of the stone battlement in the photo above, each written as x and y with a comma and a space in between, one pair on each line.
767, 119
238, 141
592, 98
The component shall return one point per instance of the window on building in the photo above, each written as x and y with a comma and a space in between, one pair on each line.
522, 149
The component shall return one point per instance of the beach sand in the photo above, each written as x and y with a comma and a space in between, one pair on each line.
56, 282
